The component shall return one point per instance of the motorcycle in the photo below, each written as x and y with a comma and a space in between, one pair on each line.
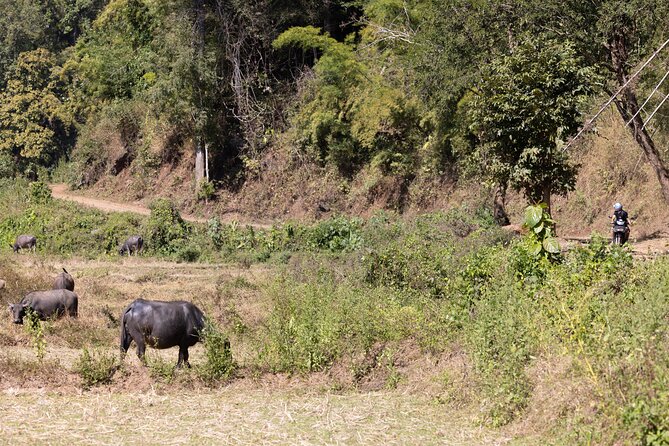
620, 232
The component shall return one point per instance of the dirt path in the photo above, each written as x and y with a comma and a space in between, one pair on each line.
62, 192
654, 246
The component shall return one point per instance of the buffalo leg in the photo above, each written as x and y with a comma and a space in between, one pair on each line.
141, 348
183, 357
138, 337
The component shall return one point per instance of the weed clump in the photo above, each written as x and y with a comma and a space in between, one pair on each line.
36, 331
160, 369
96, 367
219, 365
165, 227
336, 234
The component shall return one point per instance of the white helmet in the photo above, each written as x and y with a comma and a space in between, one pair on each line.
617, 206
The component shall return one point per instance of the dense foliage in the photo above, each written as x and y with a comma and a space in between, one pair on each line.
490, 89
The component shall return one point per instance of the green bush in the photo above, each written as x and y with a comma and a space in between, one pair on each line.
189, 252
35, 329
313, 324
96, 367
336, 234
165, 227
219, 365
160, 369
501, 341
205, 190
39, 192
7, 165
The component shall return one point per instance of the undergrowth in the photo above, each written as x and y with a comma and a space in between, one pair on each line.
508, 305
439, 280
96, 367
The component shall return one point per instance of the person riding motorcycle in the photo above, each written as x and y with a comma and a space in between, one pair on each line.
620, 217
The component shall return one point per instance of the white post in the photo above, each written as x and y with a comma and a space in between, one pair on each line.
206, 160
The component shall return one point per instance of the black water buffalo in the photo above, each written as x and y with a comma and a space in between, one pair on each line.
64, 281
133, 244
25, 242
161, 325
46, 304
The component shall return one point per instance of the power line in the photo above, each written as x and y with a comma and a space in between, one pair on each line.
648, 99
612, 98
655, 111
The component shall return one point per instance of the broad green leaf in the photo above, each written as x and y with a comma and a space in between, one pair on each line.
551, 245
533, 216
535, 249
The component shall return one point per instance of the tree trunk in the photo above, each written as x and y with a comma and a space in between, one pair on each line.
499, 209
628, 105
546, 198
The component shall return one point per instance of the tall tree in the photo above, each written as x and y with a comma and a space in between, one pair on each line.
26, 25
36, 125
526, 105
629, 35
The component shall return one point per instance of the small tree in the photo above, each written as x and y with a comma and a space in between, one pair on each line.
526, 104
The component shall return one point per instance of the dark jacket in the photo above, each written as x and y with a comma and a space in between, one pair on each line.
621, 215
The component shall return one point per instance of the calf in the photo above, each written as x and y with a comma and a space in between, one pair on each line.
64, 281
161, 325
132, 244
25, 242
46, 304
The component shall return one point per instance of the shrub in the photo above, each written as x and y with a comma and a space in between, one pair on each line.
215, 232
336, 234
160, 369
205, 190
219, 364
501, 342
7, 165
188, 253
36, 331
39, 192
96, 367
165, 226
311, 325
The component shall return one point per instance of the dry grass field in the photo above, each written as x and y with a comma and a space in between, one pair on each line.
45, 402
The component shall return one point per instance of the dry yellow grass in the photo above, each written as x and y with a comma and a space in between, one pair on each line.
235, 415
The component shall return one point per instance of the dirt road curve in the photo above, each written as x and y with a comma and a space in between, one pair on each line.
62, 192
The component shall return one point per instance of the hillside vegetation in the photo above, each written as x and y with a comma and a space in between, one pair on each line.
369, 104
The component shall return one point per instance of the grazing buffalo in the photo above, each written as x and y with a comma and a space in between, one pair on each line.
64, 281
161, 325
46, 304
25, 242
133, 244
